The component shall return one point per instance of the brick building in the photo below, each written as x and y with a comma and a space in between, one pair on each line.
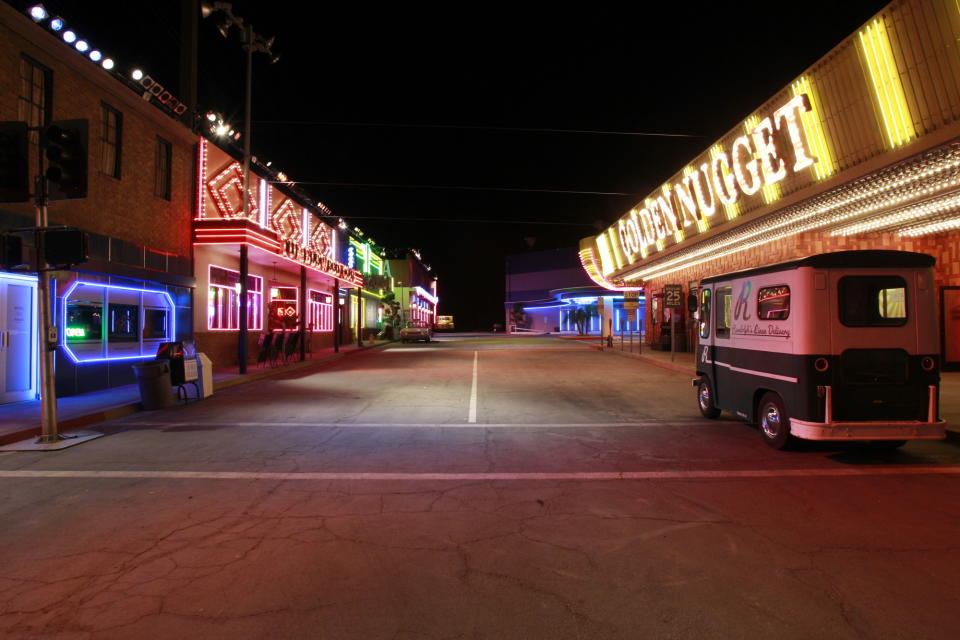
136, 290
289, 247
861, 151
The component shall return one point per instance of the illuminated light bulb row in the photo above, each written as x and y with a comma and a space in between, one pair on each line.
220, 128
898, 217
934, 227
925, 175
57, 25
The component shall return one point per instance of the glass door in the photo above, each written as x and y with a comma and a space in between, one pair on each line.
18, 338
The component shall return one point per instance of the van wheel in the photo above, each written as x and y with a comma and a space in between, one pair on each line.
774, 422
705, 400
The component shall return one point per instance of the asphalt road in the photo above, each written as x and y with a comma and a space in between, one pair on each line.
474, 487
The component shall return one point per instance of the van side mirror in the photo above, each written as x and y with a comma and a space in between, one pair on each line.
692, 303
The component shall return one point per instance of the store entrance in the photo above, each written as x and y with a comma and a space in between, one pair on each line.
18, 338
950, 324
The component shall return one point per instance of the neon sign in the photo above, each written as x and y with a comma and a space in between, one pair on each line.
298, 253
76, 332
755, 160
159, 299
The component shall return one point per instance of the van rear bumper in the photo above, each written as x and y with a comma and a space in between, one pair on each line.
931, 429
868, 430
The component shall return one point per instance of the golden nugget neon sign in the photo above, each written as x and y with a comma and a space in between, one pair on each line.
755, 160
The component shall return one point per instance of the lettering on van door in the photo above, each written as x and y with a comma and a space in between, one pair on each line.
761, 330
773, 303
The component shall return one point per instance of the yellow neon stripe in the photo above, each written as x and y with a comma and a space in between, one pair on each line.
869, 52
702, 223
814, 131
896, 88
881, 65
770, 192
732, 210
615, 245
606, 262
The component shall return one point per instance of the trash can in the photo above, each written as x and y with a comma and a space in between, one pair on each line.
156, 390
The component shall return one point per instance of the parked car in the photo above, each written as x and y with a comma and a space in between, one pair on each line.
416, 330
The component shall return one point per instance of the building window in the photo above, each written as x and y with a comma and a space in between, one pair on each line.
36, 92
284, 308
321, 312
111, 131
109, 322
163, 169
223, 304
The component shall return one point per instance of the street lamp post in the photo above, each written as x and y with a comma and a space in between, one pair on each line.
251, 42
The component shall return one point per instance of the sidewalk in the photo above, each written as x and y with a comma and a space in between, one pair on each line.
684, 363
21, 420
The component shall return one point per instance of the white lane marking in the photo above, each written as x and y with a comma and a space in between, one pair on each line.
557, 475
472, 417
430, 425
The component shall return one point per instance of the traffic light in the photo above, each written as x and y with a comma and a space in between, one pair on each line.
66, 152
64, 248
14, 168
11, 252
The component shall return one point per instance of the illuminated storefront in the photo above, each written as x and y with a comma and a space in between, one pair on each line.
366, 308
862, 151
415, 286
548, 291
287, 247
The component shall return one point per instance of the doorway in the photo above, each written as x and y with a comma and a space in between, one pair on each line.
18, 338
950, 327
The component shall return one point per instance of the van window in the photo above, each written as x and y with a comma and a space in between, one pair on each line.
773, 303
704, 314
873, 301
724, 307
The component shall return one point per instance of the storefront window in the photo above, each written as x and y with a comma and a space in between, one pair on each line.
321, 311
83, 326
223, 303
136, 321
284, 308
154, 324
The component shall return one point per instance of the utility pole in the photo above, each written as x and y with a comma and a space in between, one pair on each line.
251, 42
47, 332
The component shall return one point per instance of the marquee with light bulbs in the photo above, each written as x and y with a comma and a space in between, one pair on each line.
274, 223
867, 140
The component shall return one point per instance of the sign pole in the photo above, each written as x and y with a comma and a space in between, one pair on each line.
673, 332
672, 300
48, 333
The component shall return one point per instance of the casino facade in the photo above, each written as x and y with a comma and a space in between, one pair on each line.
861, 151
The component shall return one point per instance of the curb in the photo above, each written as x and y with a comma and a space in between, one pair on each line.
123, 410
672, 366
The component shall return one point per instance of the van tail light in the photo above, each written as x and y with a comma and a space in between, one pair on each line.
928, 363
821, 364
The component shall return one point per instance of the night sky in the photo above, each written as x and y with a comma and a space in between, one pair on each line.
418, 98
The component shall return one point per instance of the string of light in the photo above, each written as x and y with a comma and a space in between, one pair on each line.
929, 174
